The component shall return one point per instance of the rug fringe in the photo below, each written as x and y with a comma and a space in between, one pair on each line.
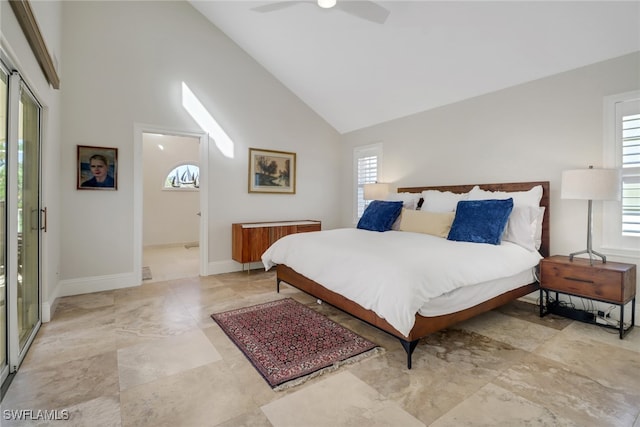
358, 357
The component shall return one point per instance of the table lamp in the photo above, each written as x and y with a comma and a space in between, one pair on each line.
376, 191
590, 184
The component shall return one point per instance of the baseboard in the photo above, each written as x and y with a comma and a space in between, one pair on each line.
85, 285
49, 307
171, 245
230, 266
47, 312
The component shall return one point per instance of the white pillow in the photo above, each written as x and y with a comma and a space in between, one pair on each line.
520, 198
409, 200
537, 238
524, 227
441, 201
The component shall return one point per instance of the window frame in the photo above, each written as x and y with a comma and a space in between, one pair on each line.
360, 152
613, 241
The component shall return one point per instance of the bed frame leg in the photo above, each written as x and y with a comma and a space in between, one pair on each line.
409, 346
278, 280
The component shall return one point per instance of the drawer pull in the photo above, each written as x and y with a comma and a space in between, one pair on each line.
575, 279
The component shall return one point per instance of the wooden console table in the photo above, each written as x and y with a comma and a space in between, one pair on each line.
251, 239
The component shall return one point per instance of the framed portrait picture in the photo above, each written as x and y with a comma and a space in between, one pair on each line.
97, 168
272, 171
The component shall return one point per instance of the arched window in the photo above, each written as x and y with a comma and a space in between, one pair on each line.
186, 176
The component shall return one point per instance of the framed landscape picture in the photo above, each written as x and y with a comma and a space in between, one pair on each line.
97, 168
272, 171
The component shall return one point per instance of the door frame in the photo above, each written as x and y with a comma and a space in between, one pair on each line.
138, 192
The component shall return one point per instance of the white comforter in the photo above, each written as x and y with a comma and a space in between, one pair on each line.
395, 273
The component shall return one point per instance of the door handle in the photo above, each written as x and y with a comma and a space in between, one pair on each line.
44, 219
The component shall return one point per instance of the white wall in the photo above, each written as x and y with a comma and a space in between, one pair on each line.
530, 132
126, 62
170, 216
114, 79
48, 15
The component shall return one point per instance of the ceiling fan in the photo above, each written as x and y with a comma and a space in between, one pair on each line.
367, 10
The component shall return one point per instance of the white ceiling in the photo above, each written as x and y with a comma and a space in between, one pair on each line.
356, 73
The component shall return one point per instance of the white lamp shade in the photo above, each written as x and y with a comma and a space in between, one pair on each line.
377, 191
326, 4
591, 184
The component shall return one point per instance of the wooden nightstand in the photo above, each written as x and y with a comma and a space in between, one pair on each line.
611, 282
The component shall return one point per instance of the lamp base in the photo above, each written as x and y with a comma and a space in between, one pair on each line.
591, 253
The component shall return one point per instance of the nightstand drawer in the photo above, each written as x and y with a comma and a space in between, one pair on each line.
603, 282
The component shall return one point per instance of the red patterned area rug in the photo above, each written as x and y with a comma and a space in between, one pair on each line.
289, 343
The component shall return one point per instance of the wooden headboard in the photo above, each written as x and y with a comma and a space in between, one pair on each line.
516, 186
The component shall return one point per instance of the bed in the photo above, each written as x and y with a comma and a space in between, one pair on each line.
452, 307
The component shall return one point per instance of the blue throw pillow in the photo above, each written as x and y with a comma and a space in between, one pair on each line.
380, 215
480, 221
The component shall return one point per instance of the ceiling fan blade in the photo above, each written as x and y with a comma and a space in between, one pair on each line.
367, 10
272, 7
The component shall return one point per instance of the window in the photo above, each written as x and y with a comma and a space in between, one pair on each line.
186, 176
631, 175
366, 166
621, 220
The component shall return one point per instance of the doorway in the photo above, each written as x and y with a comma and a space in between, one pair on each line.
171, 205
138, 186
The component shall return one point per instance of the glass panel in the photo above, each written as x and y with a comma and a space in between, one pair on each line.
3, 224
28, 217
183, 176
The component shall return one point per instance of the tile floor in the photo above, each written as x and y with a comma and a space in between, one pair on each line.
168, 262
151, 356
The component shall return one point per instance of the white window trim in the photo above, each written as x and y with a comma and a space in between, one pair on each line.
613, 242
358, 152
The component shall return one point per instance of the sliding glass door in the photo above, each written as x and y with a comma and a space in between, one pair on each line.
28, 226
4, 82
20, 300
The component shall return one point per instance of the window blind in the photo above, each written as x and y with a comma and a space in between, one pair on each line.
631, 175
367, 174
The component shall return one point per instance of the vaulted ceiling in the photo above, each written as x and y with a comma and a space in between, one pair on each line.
363, 63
